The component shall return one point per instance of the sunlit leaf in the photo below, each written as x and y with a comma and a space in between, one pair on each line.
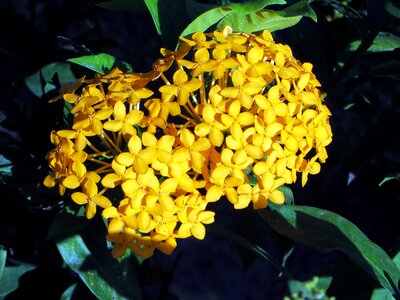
212, 16
104, 278
269, 19
250, 7
125, 5
206, 20
100, 63
264, 19
326, 230
9, 280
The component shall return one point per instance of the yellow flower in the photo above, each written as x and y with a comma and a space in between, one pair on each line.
202, 63
124, 122
193, 217
141, 245
228, 175
212, 126
195, 147
91, 198
238, 117
181, 88
91, 121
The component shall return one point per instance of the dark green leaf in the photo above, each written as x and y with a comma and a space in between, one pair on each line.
264, 19
287, 191
104, 279
326, 230
250, 7
3, 256
174, 17
9, 280
382, 294
152, 6
67, 295
345, 10
392, 9
252, 247
384, 41
100, 63
69, 220
301, 8
125, 5
42, 81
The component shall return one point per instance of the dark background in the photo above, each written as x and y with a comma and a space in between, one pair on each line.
364, 101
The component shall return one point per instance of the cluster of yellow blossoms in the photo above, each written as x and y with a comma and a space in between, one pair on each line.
227, 114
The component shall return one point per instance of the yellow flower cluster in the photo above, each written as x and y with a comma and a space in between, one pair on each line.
227, 114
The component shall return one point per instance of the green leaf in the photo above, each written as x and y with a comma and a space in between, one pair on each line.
312, 289
9, 280
264, 19
100, 63
124, 5
69, 220
388, 178
152, 6
240, 16
396, 260
250, 7
287, 192
41, 82
5, 166
252, 247
392, 9
301, 8
345, 10
3, 256
326, 230
206, 20
381, 294
67, 295
384, 41
102, 275
173, 16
